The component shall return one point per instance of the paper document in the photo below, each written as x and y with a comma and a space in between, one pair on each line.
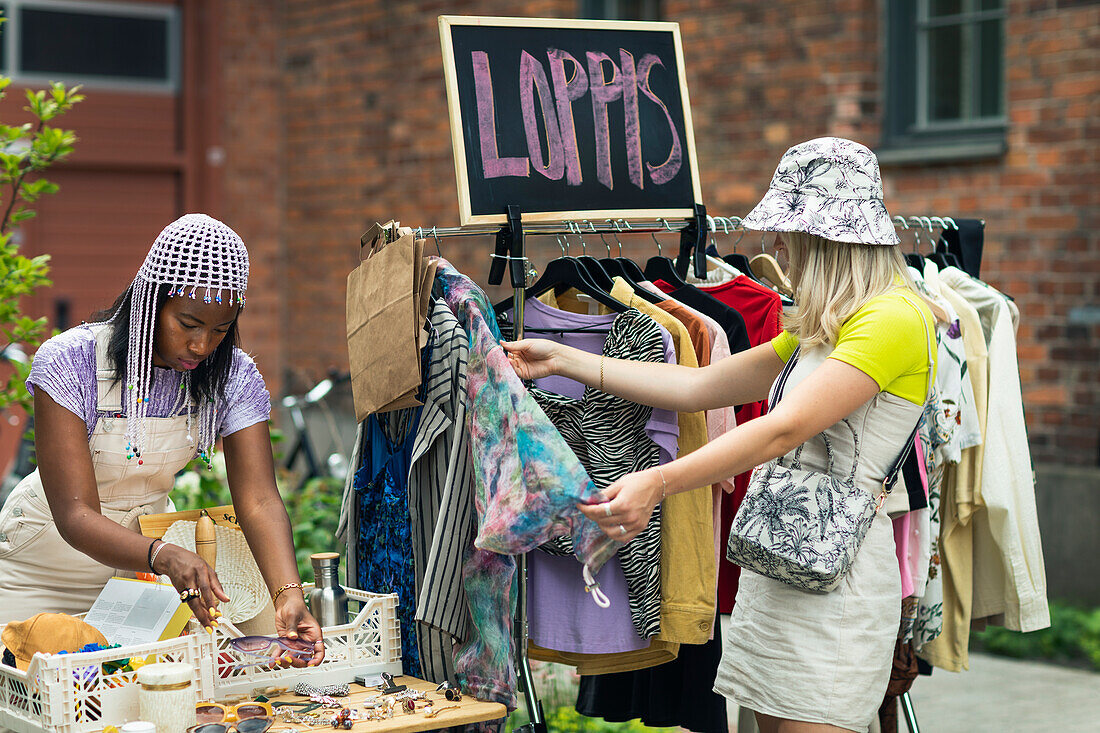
130, 611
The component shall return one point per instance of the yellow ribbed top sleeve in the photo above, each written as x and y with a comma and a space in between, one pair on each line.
886, 340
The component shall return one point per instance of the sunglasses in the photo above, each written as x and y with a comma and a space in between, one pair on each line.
213, 712
248, 725
266, 646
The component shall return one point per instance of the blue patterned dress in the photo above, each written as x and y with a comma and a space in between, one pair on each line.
384, 549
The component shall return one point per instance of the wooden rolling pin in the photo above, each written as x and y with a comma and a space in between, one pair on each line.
206, 542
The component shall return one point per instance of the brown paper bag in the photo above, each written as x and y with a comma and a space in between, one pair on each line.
383, 349
425, 277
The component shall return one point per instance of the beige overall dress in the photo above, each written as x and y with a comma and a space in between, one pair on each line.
826, 657
39, 571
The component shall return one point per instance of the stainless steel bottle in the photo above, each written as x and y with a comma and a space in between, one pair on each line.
327, 601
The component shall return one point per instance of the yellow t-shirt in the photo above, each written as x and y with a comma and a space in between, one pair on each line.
885, 340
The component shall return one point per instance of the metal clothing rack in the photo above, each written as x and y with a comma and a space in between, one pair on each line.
509, 254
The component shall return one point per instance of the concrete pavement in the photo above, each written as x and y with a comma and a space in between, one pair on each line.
997, 695
1001, 694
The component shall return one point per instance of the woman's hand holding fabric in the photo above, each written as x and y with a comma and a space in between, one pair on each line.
533, 358
189, 571
630, 502
292, 620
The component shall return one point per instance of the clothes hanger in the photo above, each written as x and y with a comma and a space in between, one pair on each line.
941, 256
561, 274
661, 267
735, 258
616, 267
712, 225
629, 265
766, 267
611, 266
726, 224
913, 259
597, 274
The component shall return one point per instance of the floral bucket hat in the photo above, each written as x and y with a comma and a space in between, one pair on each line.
830, 187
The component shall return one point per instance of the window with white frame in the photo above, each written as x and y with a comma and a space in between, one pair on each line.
944, 81
98, 44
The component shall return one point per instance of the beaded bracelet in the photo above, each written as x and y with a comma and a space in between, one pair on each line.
288, 586
149, 554
154, 552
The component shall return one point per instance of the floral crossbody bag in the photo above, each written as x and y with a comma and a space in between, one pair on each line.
804, 527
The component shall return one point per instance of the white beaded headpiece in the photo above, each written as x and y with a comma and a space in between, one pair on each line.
198, 256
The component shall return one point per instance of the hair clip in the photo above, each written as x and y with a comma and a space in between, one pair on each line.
388, 687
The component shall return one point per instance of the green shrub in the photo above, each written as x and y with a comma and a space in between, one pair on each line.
557, 686
567, 720
26, 150
1073, 637
314, 510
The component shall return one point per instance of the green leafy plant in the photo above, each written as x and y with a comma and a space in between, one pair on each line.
557, 686
314, 510
25, 151
1072, 638
566, 719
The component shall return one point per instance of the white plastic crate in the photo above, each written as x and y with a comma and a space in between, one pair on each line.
70, 693
369, 644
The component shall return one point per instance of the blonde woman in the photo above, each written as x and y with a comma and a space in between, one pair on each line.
803, 662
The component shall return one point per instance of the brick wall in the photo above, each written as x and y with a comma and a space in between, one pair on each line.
250, 105
363, 107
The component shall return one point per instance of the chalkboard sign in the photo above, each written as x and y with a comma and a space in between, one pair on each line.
568, 119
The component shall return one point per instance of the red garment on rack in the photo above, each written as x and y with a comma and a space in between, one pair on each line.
761, 308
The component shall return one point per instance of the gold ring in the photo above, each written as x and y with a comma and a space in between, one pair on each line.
187, 594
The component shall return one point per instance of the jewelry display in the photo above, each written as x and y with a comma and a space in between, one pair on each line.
324, 710
411, 694
345, 718
300, 707
307, 690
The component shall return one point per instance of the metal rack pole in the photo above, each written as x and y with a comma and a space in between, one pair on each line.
910, 713
509, 255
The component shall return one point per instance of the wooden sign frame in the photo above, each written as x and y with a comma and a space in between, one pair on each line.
466, 214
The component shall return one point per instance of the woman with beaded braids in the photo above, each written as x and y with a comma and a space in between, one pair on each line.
124, 403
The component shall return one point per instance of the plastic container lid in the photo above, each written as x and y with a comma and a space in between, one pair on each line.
152, 676
138, 726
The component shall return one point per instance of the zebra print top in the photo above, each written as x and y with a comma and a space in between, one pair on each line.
608, 434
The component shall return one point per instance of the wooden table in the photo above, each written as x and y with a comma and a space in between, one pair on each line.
469, 710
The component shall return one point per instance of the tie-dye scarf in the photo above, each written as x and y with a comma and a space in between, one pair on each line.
527, 483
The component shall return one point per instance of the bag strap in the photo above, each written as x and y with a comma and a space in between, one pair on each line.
781, 381
892, 476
